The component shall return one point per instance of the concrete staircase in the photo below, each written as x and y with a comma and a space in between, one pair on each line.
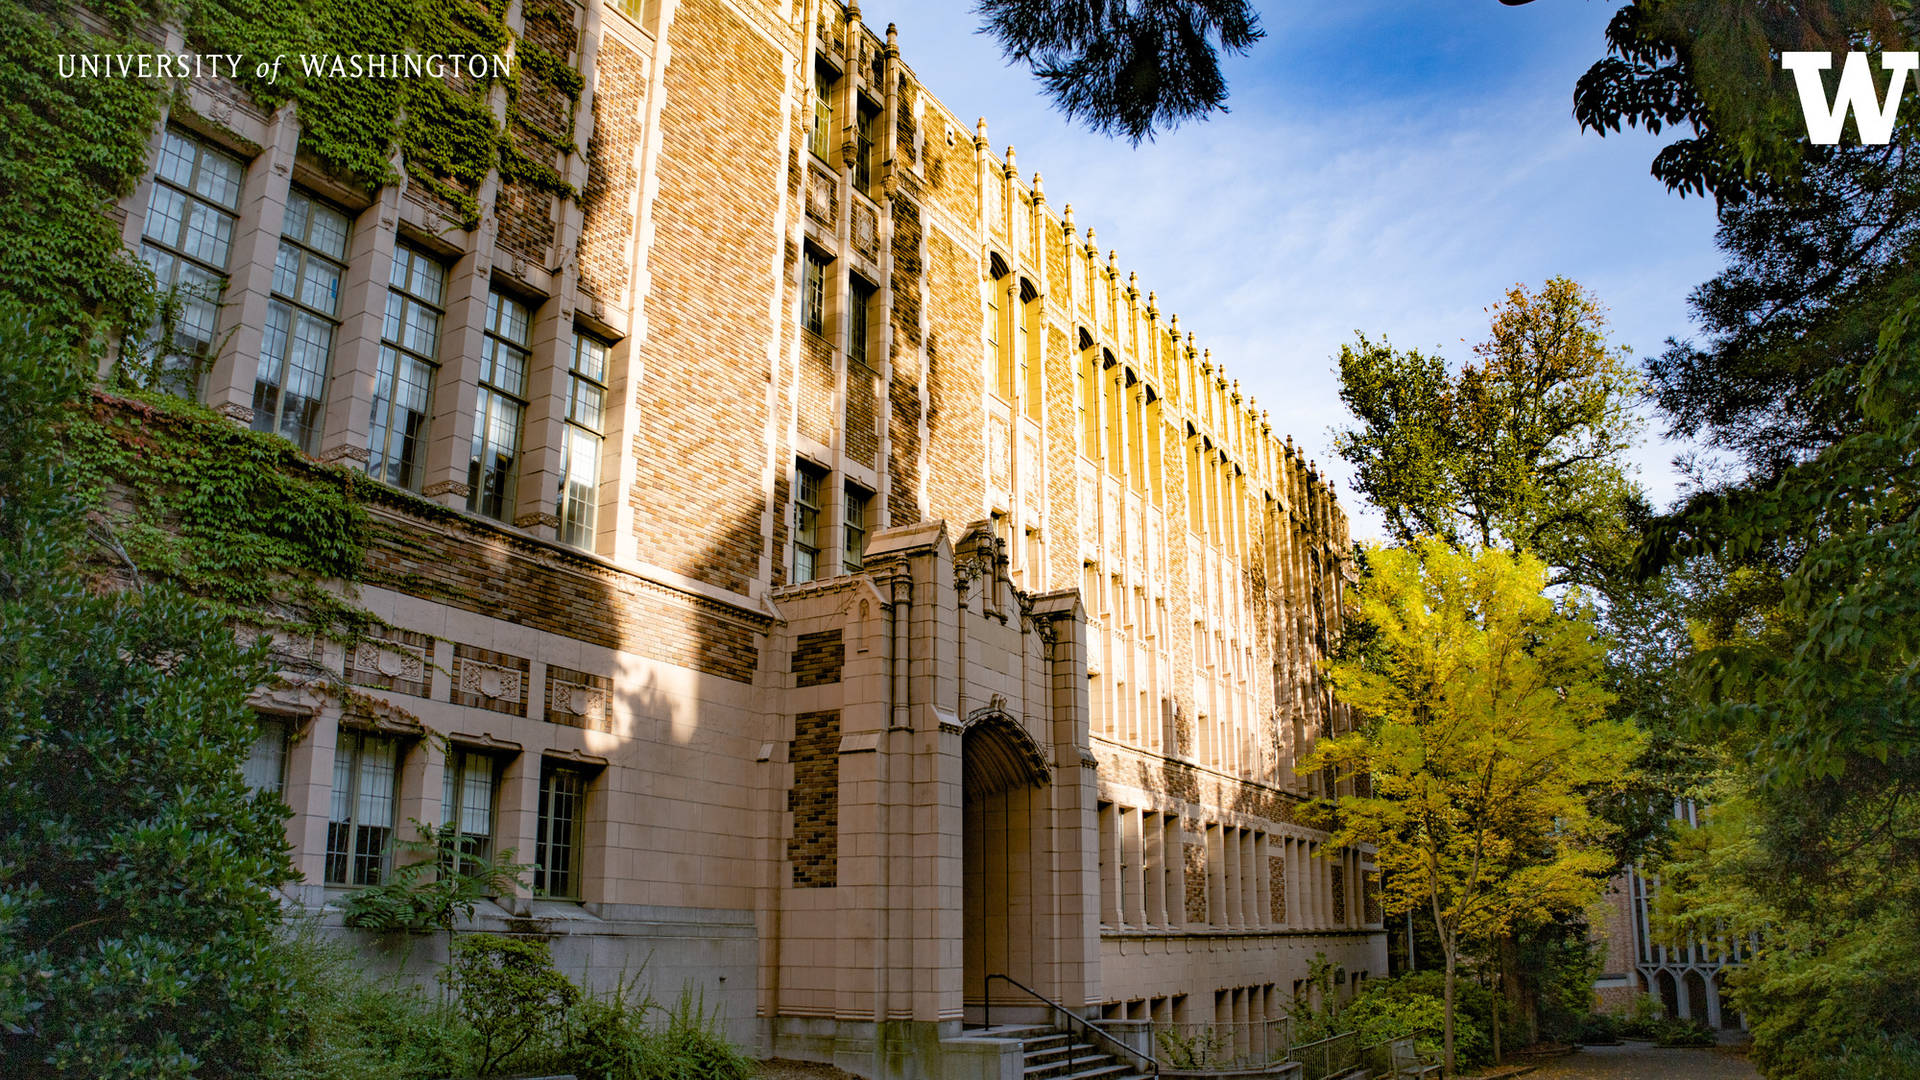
1051, 1054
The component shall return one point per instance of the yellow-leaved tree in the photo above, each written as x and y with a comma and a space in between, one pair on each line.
1481, 744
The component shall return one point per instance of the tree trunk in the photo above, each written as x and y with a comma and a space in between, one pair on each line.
1448, 1072
1499, 988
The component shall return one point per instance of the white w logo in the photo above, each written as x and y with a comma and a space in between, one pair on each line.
1873, 117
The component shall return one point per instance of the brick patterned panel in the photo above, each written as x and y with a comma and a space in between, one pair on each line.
606, 223
906, 275
430, 201
956, 424
814, 801
816, 388
526, 217
475, 568
697, 473
1370, 895
905, 128
494, 681
579, 699
1196, 856
903, 430
1277, 877
393, 659
817, 658
1339, 894
863, 434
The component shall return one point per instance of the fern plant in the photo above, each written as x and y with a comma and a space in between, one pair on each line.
441, 882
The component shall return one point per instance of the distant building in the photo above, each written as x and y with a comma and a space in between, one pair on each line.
1687, 982
804, 544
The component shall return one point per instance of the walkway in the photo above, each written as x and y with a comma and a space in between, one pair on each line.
1644, 1061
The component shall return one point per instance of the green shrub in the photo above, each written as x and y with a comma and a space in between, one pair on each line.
612, 1037
1643, 1020
1411, 1005
1383, 1017
1683, 1033
1876, 1059
137, 869
348, 1025
508, 990
1598, 1029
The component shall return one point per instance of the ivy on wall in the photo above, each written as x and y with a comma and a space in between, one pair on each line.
445, 129
68, 149
241, 519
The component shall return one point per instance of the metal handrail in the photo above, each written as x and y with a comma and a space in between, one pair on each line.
986, 1014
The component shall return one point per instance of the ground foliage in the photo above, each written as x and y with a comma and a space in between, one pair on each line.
502, 993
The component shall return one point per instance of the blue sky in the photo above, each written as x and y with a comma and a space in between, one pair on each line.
1391, 166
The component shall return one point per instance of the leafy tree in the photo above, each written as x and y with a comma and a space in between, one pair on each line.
1522, 447
137, 911
1710, 66
1482, 741
1126, 67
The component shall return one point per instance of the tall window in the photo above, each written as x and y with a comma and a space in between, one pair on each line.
557, 843
580, 460
187, 238
301, 318
813, 297
366, 771
501, 409
466, 801
809, 485
410, 341
266, 766
860, 325
858, 502
866, 150
820, 140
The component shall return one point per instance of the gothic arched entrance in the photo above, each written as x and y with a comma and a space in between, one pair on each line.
1006, 874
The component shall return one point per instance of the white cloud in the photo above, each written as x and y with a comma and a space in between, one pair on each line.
1276, 231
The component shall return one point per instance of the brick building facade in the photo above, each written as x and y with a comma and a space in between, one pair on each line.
836, 573
1687, 981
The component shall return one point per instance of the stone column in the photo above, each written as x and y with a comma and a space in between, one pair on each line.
347, 425
256, 244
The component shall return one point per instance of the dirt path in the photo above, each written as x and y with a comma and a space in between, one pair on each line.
1644, 1061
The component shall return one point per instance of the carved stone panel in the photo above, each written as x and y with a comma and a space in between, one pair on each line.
484, 679
578, 699
823, 197
866, 230
392, 659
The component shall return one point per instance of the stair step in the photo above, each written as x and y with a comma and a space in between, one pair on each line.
1060, 1049
1012, 1031
1112, 1071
